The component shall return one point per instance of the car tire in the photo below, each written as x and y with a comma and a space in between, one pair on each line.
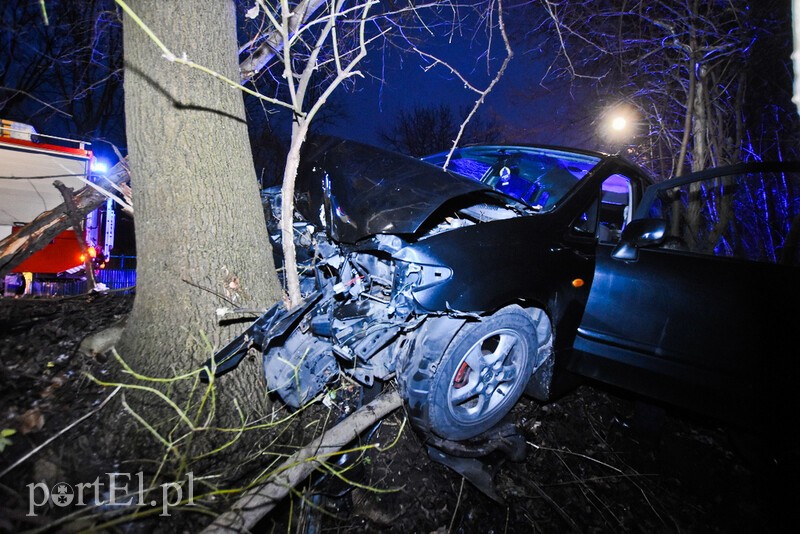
468, 388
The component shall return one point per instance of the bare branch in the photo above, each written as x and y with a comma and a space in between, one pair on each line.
259, 501
484, 93
274, 41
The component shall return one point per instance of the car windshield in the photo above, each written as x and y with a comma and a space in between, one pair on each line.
540, 177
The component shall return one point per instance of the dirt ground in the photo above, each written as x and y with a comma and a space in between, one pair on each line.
595, 460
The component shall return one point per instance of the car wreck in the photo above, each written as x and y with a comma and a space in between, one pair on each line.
447, 284
473, 286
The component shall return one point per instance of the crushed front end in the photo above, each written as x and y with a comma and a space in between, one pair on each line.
364, 219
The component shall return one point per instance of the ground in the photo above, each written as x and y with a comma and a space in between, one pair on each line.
595, 459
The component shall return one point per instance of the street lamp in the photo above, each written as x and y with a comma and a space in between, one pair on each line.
619, 123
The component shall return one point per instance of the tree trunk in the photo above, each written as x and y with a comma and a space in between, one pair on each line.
201, 238
299, 133
700, 124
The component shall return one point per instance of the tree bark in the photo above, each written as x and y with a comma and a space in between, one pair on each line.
201, 238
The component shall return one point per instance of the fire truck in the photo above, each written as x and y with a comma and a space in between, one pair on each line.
30, 163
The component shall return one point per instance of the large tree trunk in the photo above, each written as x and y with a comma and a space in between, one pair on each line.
201, 239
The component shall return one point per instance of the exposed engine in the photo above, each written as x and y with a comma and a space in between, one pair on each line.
366, 305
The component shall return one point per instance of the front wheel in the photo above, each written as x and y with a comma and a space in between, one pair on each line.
478, 379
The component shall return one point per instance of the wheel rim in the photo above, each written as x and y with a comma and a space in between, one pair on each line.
487, 376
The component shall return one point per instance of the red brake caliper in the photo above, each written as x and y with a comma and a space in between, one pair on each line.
462, 376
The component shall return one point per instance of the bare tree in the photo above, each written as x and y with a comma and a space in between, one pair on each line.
63, 74
335, 36
685, 68
23, 65
424, 130
88, 75
320, 44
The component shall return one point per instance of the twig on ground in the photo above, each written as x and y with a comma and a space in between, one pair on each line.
567, 519
259, 501
59, 433
455, 510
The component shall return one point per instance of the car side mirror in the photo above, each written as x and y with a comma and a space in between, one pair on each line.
639, 233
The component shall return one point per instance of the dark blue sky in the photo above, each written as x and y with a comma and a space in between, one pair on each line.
529, 111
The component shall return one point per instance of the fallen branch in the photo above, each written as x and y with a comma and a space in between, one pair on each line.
76, 221
38, 233
259, 501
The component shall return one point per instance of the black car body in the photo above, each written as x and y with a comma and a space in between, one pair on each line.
473, 285
708, 275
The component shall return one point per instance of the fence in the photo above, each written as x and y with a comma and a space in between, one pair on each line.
112, 278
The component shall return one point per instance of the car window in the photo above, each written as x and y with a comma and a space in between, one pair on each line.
747, 215
616, 201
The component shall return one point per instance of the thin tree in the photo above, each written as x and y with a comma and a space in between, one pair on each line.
63, 74
320, 44
424, 130
327, 41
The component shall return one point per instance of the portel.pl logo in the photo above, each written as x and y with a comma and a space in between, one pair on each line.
114, 493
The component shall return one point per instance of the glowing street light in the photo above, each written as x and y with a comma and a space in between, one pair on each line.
619, 123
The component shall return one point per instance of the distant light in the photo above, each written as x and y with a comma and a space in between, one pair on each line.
99, 166
92, 254
619, 123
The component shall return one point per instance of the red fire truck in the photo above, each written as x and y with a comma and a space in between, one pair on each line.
29, 164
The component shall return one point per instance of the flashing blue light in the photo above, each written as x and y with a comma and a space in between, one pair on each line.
99, 166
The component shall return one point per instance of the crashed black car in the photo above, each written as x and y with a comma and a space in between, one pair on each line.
473, 286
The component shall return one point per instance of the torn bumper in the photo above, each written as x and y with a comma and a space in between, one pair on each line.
275, 323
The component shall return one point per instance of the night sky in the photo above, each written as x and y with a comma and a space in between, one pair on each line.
518, 101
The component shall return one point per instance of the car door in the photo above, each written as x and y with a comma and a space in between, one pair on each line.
699, 318
603, 209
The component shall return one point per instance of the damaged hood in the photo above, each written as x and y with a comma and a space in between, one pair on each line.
356, 190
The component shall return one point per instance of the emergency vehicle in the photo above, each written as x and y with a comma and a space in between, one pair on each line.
30, 163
